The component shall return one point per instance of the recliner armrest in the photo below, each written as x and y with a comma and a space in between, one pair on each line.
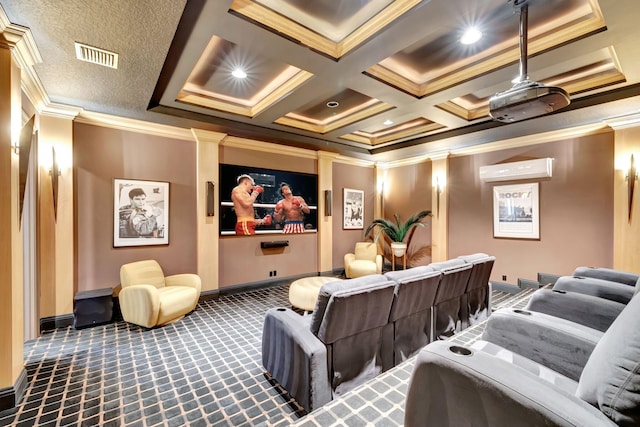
296, 358
140, 304
184, 279
379, 264
558, 344
348, 259
588, 310
452, 389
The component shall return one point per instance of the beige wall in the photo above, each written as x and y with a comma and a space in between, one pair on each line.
356, 178
407, 190
102, 154
576, 209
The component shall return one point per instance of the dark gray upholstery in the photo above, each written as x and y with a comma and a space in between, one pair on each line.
611, 378
488, 385
448, 307
476, 302
336, 348
608, 274
558, 344
594, 312
613, 291
410, 324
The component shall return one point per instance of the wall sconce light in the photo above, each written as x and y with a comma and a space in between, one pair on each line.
211, 207
55, 173
632, 176
439, 186
327, 202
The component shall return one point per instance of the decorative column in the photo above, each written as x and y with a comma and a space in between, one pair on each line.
208, 229
439, 208
325, 222
626, 193
12, 373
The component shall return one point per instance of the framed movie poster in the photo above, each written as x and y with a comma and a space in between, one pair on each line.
140, 213
515, 211
353, 209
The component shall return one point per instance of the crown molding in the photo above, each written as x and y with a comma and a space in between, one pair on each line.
134, 125
539, 138
624, 122
268, 147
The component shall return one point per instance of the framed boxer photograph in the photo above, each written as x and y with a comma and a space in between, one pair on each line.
140, 213
353, 209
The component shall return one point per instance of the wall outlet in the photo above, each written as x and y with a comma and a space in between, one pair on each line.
504, 277
275, 273
270, 273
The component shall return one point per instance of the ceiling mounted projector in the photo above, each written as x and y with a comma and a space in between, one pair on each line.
526, 99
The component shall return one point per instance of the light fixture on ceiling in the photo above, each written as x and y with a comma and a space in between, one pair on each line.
239, 73
526, 99
333, 104
471, 36
388, 122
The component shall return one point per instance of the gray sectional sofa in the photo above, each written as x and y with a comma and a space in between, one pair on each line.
361, 327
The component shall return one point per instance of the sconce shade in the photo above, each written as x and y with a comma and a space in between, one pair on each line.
527, 169
327, 202
211, 208
631, 183
26, 138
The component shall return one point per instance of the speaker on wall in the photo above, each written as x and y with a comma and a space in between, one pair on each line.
327, 202
211, 208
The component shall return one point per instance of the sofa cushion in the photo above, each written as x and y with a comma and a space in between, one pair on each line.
611, 378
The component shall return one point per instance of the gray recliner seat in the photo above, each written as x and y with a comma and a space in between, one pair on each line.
488, 385
410, 324
614, 285
476, 301
588, 310
336, 348
449, 310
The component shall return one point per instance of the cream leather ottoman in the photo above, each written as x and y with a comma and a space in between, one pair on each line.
303, 293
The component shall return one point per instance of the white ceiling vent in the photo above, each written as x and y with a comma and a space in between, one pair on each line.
96, 55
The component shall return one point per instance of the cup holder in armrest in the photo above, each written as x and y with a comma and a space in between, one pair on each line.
525, 312
462, 351
558, 291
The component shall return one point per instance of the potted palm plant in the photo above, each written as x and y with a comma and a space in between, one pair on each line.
397, 232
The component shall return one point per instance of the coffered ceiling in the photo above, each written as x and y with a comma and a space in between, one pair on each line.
360, 77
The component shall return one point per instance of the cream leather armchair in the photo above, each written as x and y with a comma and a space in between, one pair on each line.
364, 261
149, 299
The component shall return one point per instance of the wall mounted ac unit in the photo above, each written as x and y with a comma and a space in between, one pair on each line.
527, 169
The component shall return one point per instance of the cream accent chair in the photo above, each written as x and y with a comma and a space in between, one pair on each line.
149, 299
364, 261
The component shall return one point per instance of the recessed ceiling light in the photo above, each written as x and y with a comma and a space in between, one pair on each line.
239, 73
471, 36
333, 104
388, 122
